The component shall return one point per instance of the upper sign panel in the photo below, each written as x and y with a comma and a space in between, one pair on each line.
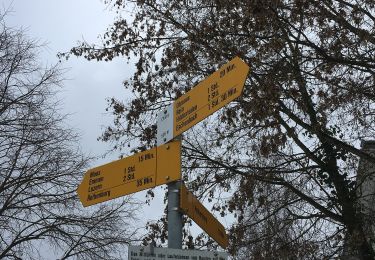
204, 99
208, 96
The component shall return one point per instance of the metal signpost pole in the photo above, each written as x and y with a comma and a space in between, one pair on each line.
211, 94
174, 216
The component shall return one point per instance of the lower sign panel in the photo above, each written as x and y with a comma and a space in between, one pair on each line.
197, 212
159, 253
138, 172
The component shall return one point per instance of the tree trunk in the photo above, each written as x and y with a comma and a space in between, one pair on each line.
360, 241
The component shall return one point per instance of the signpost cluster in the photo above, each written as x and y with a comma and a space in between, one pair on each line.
162, 164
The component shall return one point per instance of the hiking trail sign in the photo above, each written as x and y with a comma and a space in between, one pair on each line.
144, 170
211, 94
162, 164
192, 207
160, 253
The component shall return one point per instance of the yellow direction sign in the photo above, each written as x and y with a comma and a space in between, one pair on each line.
138, 172
191, 206
208, 96
211, 94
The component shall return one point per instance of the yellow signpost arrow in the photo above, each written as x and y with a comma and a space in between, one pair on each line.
141, 171
191, 206
211, 94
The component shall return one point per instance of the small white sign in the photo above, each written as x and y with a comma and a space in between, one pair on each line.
160, 253
165, 125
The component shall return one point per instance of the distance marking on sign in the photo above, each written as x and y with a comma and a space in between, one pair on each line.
144, 170
211, 94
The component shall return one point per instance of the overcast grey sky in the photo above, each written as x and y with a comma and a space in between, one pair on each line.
61, 24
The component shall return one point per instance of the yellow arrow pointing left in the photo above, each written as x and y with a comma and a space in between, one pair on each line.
138, 172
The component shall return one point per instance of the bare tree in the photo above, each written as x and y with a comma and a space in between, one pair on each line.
41, 167
288, 150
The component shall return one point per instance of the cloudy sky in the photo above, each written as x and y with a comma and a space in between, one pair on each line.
60, 25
